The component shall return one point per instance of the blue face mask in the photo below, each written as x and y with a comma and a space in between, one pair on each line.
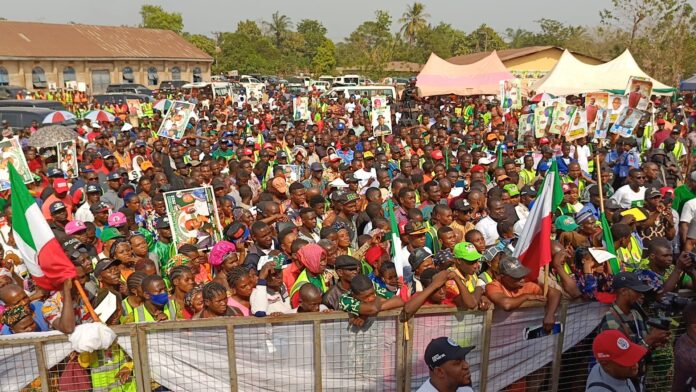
159, 299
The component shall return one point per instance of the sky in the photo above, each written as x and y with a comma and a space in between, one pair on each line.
207, 16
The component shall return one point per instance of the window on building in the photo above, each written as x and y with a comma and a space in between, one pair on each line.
197, 75
69, 75
128, 75
152, 78
4, 77
176, 73
38, 78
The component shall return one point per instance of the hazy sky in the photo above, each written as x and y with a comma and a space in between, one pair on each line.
206, 16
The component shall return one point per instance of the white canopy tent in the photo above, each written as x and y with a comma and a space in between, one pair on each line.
572, 76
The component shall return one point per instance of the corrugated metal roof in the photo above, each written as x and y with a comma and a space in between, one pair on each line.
76, 41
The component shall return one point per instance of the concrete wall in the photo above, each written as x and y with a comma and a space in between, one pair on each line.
20, 71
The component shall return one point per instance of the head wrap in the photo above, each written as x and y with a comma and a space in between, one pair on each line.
373, 254
175, 261
220, 251
188, 299
14, 314
310, 257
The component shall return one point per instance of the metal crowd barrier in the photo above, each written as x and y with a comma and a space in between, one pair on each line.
316, 352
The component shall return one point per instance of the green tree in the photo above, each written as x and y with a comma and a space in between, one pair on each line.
414, 21
314, 34
155, 17
202, 42
484, 38
248, 28
278, 27
370, 46
324, 61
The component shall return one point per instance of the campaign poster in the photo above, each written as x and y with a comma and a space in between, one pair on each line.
67, 158
526, 126
542, 120
300, 108
627, 122
595, 102
511, 94
11, 152
380, 116
193, 217
638, 92
578, 126
601, 125
176, 120
134, 108
561, 118
291, 173
616, 105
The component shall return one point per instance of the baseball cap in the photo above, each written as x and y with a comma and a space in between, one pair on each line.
347, 197
60, 185
368, 155
528, 190
73, 247
104, 264
346, 262
237, 231
511, 189
113, 176
437, 155
467, 252
614, 346
583, 216
53, 172
334, 158
91, 188
490, 253
109, 233
162, 223
443, 256
652, 192
417, 257
565, 223
74, 226
56, 206
281, 155
117, 219
629, 280
218, 184
140, 143
98, 207
512, 267
338, 183
484, 161
443, 349
316, 166
461, 205
350, 178
414, 227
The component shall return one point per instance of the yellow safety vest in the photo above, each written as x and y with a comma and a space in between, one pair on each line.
141, 315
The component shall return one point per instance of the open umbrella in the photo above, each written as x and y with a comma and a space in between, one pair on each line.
100, 116
162, 105
58, 117
541, 97
51, 135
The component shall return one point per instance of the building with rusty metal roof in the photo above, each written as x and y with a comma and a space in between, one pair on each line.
45, 55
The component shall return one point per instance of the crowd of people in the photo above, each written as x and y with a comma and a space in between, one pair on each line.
454, 175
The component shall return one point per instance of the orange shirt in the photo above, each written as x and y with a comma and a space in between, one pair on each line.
52, 199
496, 287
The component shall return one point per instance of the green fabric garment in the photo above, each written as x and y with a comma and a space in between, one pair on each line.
681, 195
164, 252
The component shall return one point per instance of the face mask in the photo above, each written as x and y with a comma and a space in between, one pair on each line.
159, 299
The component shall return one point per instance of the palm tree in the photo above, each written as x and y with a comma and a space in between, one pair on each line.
414, 21
278, 27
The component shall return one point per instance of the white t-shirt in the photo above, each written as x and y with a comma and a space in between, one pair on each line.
489, 228
625, 196
350, 107
428, 387
689, 211
364, 177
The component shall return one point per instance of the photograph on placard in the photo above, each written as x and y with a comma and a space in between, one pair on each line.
638, 92
578, 125
193, 217
67, 158
593, 103
616, 106
510, 94
380, 116
11, 152
526, 126
176, 120
627, 122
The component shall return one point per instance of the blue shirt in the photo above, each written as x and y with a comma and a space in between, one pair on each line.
346, 156
591, 208
41, 324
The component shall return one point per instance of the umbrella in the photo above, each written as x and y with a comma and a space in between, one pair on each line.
541, 97
51, 135
100, 116
162, 105
58, 117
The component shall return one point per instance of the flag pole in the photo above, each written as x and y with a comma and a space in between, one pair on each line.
85, 299
599, 184
546, 280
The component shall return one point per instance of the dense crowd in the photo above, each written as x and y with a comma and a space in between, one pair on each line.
454, 175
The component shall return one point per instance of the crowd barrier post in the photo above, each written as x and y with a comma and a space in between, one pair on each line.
556, 366
403, 361
485, 349
316, 351
43, 369
231, 357
408, 353
142, 353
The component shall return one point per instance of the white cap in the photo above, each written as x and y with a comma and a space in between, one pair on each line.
484, 161
126, 127
95, 124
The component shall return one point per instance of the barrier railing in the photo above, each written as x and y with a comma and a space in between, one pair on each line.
314, 352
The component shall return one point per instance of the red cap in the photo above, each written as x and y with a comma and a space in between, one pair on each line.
247, 152
614, 346
665, 190
60, 185
437, 155
477, 168
267, 145
544, 140
660, 121
373, 254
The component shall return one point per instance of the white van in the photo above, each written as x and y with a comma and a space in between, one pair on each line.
212, 89
362, 91
349, 80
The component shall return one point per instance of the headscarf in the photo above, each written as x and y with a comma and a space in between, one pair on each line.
188, 299
310, 257
219, 252
14, 314
175, 261
373, 254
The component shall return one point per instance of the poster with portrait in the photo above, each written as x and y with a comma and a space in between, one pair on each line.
595, 102
11, 152
627, 122
300, 108
176, 120
638, 92
193, 217
511, 94
380, 116
67, 158
578, 125
291, 173
601, 125
561, 118
616, 105
542, 120
526, 126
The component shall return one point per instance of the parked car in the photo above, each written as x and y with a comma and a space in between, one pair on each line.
171, 85
32, 103
320, 85
122, 97
128, 88
22, 116
10, 92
